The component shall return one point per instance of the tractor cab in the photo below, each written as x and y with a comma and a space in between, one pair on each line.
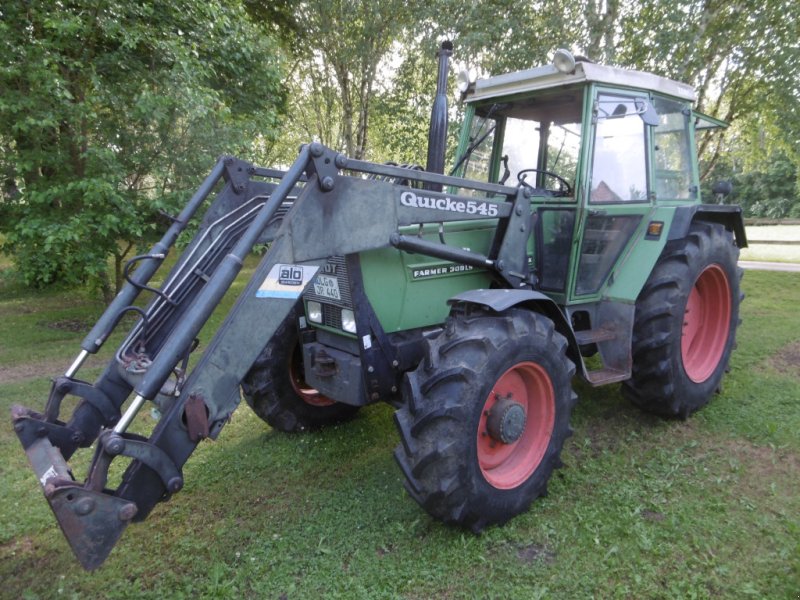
599, 149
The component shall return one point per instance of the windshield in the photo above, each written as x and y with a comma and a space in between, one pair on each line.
522, 144
539, 145
478, 157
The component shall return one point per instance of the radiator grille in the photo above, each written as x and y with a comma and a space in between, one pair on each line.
332, 309
332, 316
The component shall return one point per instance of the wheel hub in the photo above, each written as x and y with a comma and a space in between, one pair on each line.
506, 421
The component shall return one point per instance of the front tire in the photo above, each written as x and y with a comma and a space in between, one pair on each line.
276, 390
485, 416
685, 324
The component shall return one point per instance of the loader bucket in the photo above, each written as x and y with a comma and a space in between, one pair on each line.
91, 521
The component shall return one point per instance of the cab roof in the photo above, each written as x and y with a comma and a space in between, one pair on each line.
548, 77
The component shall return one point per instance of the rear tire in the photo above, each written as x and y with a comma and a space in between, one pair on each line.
685, 324
485, 416
276, 390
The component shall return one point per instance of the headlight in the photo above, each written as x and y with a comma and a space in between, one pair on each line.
464, 80
564, 61
348, 321
314, 311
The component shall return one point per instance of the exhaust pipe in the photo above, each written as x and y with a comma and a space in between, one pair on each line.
437, 133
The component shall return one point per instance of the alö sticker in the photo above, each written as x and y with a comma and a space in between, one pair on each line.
290, 275
286, 281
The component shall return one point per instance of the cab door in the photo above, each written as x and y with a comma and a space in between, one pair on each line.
616, 196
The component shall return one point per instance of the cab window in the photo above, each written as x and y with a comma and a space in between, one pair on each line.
619, 167
672, 163
478, 162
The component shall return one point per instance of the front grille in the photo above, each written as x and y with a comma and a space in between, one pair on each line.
332, 309
332, 316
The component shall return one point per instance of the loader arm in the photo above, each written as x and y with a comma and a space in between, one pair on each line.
333, 214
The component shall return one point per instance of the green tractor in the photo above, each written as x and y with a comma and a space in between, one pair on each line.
569, 236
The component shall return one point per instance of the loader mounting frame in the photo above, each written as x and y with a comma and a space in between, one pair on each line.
312, 196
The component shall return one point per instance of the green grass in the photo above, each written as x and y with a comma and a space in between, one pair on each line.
643, 508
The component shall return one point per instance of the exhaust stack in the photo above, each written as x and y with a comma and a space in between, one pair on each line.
437, 133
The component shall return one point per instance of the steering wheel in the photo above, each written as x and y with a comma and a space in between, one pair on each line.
566, 189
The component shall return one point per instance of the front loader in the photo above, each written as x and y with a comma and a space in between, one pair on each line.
570, 236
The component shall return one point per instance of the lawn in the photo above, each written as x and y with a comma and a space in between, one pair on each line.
643, 508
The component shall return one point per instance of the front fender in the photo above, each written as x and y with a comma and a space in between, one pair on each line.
500, 300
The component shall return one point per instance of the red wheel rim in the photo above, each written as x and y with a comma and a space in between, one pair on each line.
706, 324
506, 466
307, 394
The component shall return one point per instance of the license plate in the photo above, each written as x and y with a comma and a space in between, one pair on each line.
327, 287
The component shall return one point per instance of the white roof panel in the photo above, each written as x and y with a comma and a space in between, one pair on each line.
541, 78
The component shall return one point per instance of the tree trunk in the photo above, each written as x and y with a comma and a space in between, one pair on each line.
345, 93
119, 266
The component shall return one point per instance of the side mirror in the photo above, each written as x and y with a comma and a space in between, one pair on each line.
642, 106
721, 189
646, 111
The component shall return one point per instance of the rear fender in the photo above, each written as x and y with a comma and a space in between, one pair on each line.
725, 214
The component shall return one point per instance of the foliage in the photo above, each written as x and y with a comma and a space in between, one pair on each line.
764, 175
339, 51
111, 111
741, 57
717, 46
402, 109
496, 36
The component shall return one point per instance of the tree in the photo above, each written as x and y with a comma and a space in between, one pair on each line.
742, 58
402, 108
342, 49
764, 174
492, 36
110, 111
